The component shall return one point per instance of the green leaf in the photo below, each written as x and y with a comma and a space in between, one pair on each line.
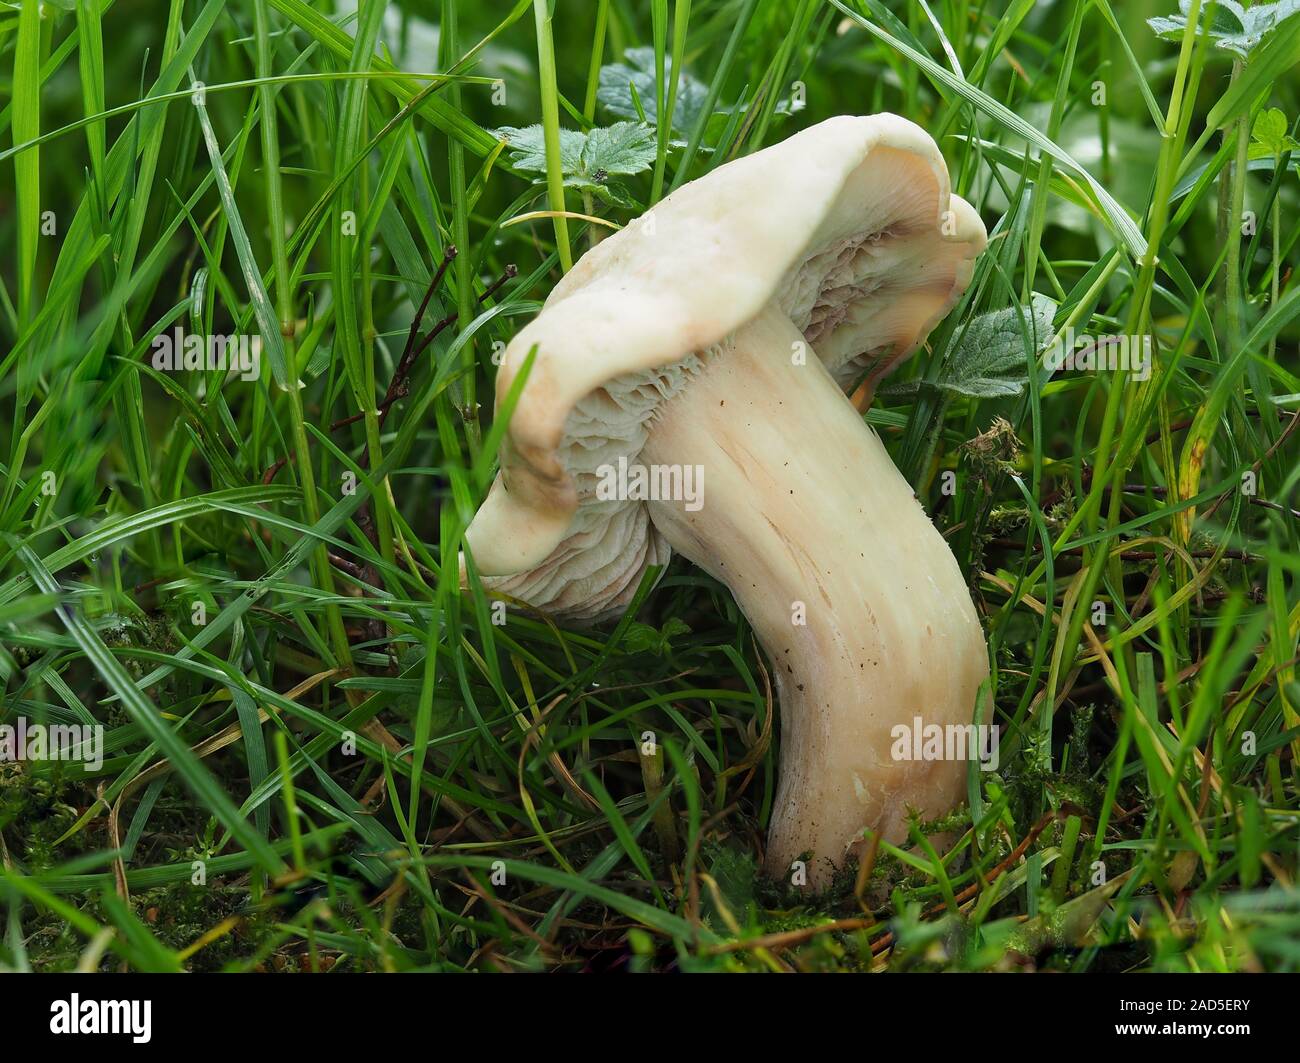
587, 160
528, 147
1228, 19
624, 148
1270, 132
644, 638
1235, 28
618, 80
989, 361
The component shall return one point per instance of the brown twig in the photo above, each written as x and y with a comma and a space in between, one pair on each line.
398, 387
1282, 438
416, 345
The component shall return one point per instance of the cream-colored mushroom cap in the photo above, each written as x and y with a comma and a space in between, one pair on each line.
847, 228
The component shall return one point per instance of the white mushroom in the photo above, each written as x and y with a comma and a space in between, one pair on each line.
719, 332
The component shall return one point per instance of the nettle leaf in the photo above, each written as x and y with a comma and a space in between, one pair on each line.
587, 160
1233, 27
989, 361
1228, 19
637, 73
1271, 132
527, 147
623, 148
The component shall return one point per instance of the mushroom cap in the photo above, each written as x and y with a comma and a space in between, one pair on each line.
848, 226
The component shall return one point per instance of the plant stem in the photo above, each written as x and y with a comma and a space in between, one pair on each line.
551, 132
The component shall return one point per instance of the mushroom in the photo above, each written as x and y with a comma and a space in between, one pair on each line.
709, 345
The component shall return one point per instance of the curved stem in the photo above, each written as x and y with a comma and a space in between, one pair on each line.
854, 594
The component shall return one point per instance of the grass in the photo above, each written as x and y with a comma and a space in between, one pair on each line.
320, 754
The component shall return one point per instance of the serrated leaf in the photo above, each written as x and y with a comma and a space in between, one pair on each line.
623, 148
1167, 27
989, 361
527, 146
1234, 28
638, 69
1227, 19
587, 160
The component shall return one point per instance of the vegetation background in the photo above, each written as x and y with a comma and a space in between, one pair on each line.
320, 755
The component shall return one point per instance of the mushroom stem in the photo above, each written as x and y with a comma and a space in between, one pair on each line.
853, 593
